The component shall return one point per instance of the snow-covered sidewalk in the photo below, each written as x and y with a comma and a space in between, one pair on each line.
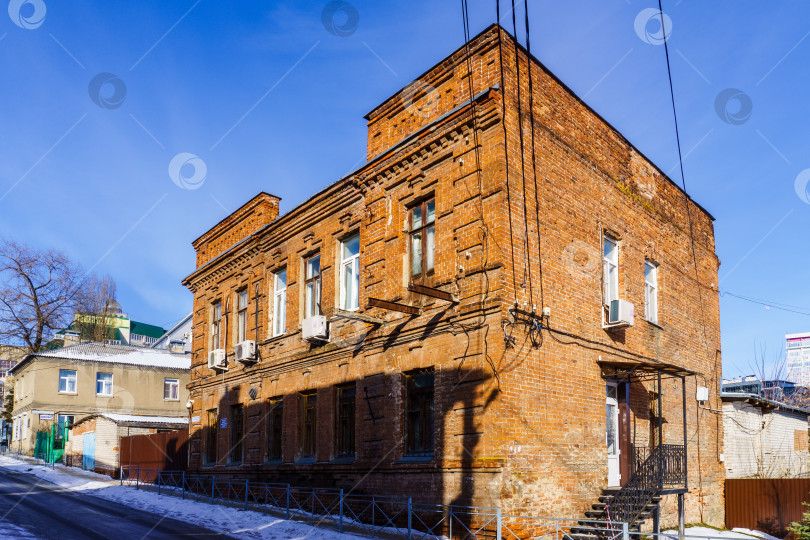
224, 519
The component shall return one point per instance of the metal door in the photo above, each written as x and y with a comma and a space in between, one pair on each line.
89, 451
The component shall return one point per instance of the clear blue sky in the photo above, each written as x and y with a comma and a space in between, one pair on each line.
269, 99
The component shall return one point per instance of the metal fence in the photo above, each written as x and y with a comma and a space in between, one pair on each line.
376, 516
765, 504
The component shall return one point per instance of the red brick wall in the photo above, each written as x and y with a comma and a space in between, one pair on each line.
532, 438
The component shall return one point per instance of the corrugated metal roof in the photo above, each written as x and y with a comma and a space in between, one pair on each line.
116, 354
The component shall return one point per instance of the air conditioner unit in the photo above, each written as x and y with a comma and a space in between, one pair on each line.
621, 313
315, 329
246, 351
217, 360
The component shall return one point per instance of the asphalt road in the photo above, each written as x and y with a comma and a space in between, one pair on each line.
46, 510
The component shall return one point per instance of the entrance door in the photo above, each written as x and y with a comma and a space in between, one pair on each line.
612, 434
89, 451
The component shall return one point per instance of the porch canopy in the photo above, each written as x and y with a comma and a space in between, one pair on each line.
642, 369
670, 465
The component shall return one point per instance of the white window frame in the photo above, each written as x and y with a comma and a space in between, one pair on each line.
104, 384
610, 269
241, 315
279, 303
651, 291
216, 325
67, 380
312, 286
350, 300
173, 385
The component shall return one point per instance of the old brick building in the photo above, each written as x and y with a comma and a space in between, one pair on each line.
469, 359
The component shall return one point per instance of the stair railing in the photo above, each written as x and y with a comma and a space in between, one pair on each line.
662, 466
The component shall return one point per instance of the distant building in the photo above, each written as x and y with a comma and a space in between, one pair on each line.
66, 385
775, 390
798, 358
120, 329
177, 339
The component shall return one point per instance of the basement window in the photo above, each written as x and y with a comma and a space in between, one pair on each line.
345, 420
419, 387
308, 402
274, 426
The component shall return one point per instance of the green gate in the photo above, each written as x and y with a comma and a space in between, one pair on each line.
50, 445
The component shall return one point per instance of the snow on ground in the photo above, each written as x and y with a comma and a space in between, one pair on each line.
237, 523
696, 533
9, 530
67, 477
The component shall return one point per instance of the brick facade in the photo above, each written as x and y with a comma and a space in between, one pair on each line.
518, 413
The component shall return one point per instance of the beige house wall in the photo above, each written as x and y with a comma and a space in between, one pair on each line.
136, 390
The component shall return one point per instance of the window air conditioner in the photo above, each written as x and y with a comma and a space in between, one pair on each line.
315, 329
246, 351
216, 360
621, 313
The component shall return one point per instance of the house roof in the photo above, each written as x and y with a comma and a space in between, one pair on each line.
171, 330
137, 420
113, 354
143, 329
759, 401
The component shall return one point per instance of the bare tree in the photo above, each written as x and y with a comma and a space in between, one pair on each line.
95, 309
40, 290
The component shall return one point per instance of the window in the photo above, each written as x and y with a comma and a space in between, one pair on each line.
423, 238
237, 432
280, 303
215, 326
650, 292
67, 381
345, 421
308, 425
241, 316
211, 437
419, 411
350, 273
171, 389
274, 419
104, 384
64, 419
610, 270
312, 300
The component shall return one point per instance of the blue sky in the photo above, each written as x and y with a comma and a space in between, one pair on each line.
269, 99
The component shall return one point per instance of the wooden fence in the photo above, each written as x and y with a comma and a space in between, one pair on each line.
766, 504
167, 451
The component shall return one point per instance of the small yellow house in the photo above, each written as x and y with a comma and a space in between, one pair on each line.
68, 384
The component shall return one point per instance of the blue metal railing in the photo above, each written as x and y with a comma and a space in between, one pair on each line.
371, 515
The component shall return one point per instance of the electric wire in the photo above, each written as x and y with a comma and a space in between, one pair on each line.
527, 264
506, 146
